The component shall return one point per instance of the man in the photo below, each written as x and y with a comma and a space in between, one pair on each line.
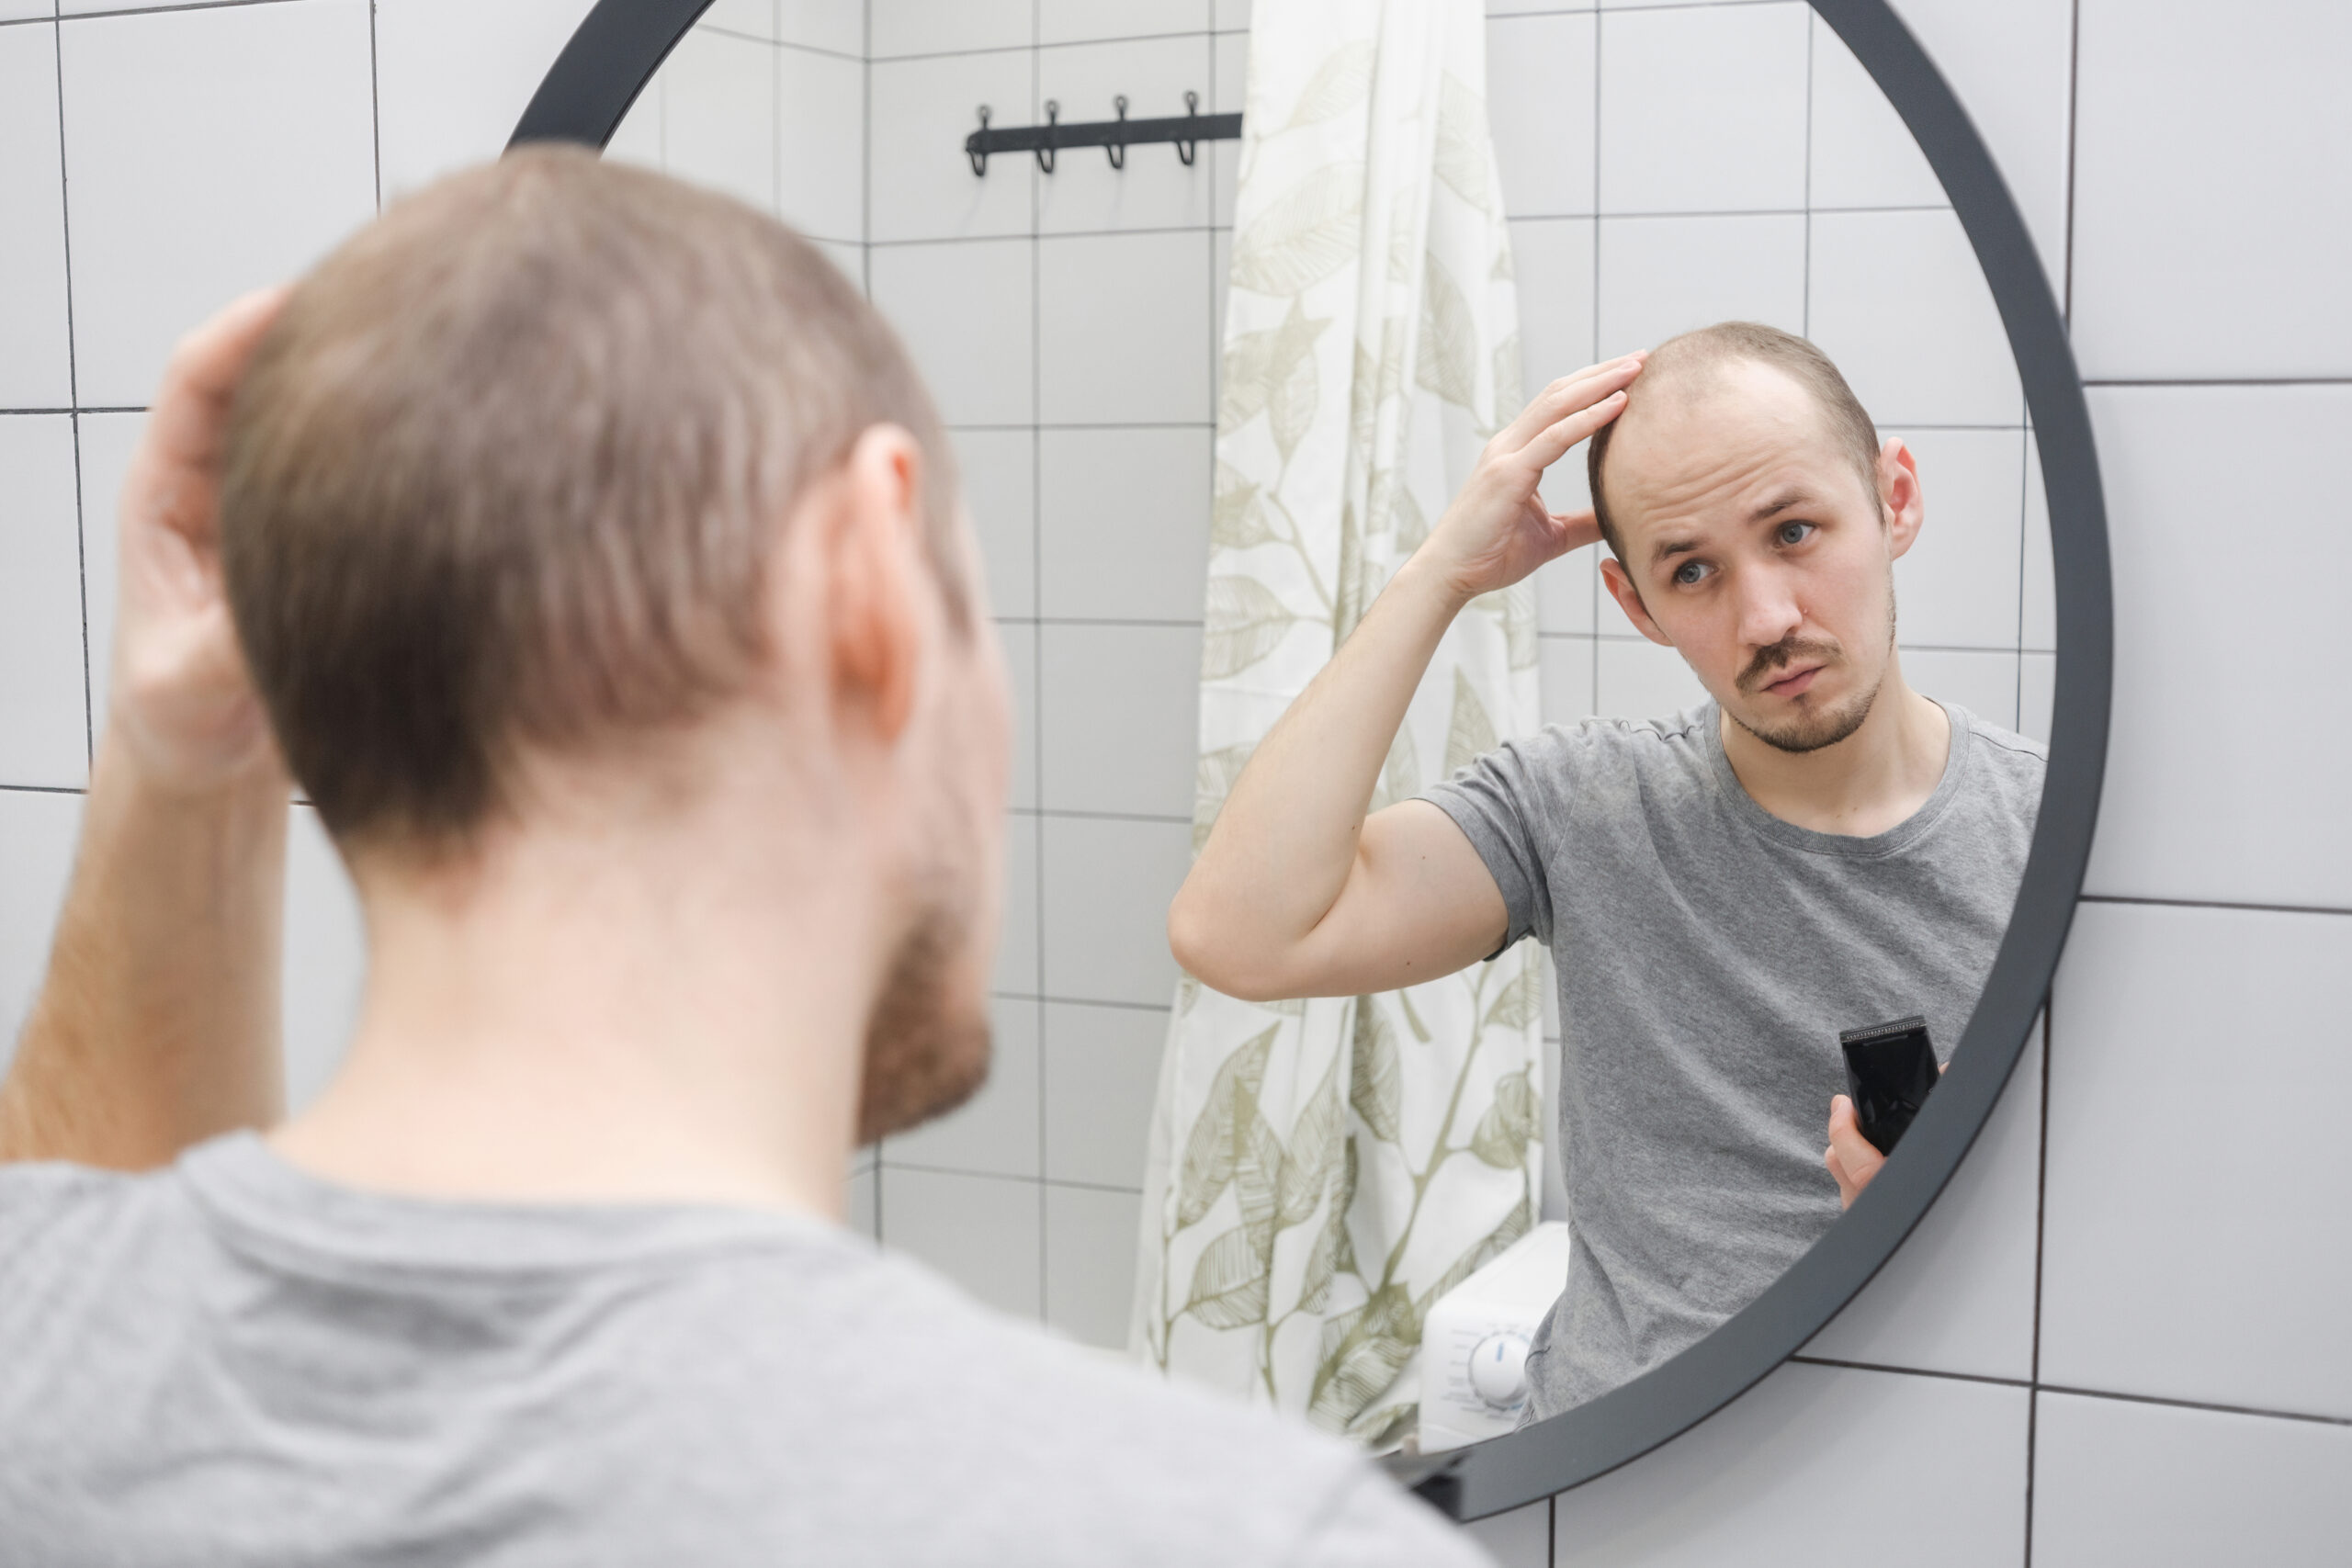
1816, 849
597, 559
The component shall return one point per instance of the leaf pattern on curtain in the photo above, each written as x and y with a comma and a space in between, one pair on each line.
1321, 1172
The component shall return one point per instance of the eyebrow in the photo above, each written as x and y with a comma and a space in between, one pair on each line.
1780, 503
1666, 551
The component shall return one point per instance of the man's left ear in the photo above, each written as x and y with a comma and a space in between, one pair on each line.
1899, 497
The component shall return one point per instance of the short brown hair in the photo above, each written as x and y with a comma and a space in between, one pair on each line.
1700, 351
505, 474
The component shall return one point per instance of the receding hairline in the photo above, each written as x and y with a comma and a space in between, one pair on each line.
1691, 363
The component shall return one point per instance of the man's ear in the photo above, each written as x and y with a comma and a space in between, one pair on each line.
877, 600
1900, 500
1629, 598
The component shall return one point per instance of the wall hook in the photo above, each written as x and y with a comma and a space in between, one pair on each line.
1187, 149
971, 148
1045, 153
1118, 149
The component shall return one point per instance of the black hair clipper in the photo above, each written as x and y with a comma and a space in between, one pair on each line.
1890, 1070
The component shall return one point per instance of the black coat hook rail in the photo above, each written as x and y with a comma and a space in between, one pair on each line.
1187, 131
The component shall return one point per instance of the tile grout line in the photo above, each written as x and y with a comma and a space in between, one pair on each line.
2074, 103
73, 396
1037, 600
1592, 586
2040, 1210
375, 109
1812, 28
2149, 901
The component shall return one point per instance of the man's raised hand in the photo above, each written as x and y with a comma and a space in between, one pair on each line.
1498, 530
182, 702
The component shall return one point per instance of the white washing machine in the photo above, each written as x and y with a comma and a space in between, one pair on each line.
1474, 1343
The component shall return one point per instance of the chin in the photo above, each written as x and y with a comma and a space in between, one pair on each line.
1809, 726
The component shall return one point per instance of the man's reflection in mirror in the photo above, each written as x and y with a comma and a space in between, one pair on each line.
1816, 848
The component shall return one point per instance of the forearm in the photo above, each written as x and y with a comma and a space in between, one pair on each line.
1288, 836
157, 1024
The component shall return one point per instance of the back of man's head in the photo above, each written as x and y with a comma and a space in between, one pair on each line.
1686, 367
504, 477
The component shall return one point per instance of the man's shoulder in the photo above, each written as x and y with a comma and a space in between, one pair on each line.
1034, 1437
2009, 762
1594, 750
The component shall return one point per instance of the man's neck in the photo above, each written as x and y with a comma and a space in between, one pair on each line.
1867, 784
596, 1020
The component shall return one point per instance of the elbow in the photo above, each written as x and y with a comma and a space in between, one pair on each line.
1204, 947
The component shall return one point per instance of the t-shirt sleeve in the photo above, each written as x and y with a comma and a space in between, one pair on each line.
1373, 1524
1496, 801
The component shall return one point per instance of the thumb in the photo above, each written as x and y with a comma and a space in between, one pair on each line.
1574, 530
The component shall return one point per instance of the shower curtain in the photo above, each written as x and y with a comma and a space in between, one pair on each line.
1321, 1172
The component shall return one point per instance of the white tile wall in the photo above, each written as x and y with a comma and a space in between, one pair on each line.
1119, 532
921, 184
1019, 642
452, 77
718, 115
995, 1133
46, 740
36, 361
107, 442
2212, 239
1106, 886
1090, 1263
1119, 707
946, 26
1898, 302
1703, 110
1121, 322
1813, 1461
821, 146
2163, 1487
1540, 102
2223, 508
270, 160
1000, 474
2009, 61
1102, 1067
1982, 682
1635, 678
984, 1232
2216, 253
1155, 190
1960, 584
964, 311
2199, 1186
37, 830
1663, 275
835, 25
1861, 155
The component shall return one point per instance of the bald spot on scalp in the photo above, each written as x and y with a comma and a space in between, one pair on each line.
1679, 382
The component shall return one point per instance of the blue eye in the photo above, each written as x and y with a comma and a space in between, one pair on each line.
1692, 571
1793, 532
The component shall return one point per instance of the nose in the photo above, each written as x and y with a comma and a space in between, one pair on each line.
1768, 606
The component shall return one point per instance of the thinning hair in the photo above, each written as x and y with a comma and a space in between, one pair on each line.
1698, 355
506, 475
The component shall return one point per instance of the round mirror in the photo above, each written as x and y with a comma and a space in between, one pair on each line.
1518, 1225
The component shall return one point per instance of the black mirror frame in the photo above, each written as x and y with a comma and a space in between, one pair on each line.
621, 43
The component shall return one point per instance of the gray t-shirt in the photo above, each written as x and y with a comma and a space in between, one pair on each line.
1709, 954
230, 1362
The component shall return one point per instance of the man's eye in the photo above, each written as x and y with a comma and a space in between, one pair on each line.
1691, 571
1795, 533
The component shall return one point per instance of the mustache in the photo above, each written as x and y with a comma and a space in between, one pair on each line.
1782, 654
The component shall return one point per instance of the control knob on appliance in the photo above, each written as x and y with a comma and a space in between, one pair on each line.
1499, 1368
